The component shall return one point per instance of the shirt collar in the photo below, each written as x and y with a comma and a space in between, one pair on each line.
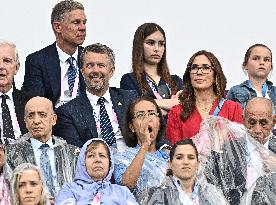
177, 183
251, 146
9, 93
94, 98
267, 142
247, 83
64, 56
36, 143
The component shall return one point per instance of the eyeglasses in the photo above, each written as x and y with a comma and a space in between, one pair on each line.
205, 68
142, 114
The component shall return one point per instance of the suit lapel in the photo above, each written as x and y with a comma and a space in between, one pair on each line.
272, 144
59, 165
87, 117
52, 64
19, 106
25, 154
82, 82
118, 106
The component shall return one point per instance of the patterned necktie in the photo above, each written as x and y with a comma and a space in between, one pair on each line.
72, 73
8, 133
46, 168
105, 124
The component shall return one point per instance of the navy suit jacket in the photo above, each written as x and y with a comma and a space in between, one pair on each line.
43, 74
20, 100
76, 122
129, 82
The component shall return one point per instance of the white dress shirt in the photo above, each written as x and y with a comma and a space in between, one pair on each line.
254, 162
121, 145
10, 103
37, 152
64, 65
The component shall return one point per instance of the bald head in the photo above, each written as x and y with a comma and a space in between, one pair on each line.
259, 119
36, 101
40, 118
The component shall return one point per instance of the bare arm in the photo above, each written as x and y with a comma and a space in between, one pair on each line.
133, 172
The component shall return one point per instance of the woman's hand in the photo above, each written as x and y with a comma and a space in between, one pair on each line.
177, 94
143, 134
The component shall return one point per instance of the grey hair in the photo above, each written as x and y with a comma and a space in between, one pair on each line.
98, 48
19, 170
13, 46
64, 7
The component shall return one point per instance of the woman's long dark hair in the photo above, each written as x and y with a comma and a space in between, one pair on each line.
138, 59
187, 98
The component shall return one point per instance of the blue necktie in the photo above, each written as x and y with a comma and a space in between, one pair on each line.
46, 168
72, 73
105, 124
8, 133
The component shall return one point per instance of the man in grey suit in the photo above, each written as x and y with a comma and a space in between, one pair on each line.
101, 112
57, 161
237, 165
53, 72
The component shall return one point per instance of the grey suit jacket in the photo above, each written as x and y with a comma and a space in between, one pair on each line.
22, 152
228, 170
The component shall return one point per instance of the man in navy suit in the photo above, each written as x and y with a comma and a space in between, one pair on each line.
52, 72
81, 119
12, 107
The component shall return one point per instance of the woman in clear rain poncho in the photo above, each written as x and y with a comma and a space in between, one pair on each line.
183, 185
142, 165
231, 159
28, 186
92, 181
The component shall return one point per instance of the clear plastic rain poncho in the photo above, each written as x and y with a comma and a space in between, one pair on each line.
263, 192
230, 158
22, 152
170, 193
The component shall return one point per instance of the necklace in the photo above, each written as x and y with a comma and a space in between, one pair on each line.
205, 110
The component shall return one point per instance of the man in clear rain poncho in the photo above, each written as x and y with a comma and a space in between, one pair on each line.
232, 156
53, 155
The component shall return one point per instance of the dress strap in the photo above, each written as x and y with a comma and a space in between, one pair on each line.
218, 108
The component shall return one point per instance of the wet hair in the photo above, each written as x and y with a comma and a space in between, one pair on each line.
140, 35
64, 7
249, 50
94, 144
172, 151
13, 46
187, 98
98, 48
17, 172
130, 137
